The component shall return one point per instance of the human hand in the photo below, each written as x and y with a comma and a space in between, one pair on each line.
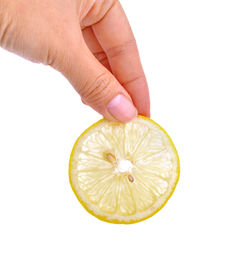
89, 41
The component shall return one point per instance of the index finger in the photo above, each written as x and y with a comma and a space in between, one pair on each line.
116, 38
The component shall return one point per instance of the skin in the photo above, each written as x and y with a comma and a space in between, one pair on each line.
89, 41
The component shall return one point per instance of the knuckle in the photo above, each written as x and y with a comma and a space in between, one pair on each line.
98, 89
122, 49
135, 81
97, 11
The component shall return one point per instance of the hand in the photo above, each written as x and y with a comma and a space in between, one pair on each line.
89, 41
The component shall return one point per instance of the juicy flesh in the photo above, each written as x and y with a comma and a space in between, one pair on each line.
124, 172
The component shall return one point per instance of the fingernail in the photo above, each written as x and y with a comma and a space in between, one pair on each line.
122, 109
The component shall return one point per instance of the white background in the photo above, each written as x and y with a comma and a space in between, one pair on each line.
196, 56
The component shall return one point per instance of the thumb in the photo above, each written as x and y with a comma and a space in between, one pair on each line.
97, 87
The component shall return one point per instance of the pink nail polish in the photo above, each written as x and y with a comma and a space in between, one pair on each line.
122, 109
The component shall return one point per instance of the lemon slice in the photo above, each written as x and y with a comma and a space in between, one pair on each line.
124, 173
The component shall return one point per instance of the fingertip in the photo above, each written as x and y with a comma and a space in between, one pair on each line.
122, 109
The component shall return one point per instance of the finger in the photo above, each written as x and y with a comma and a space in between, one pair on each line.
116, 38
96, 85
95, 47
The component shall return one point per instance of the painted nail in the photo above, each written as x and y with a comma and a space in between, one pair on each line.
122, 109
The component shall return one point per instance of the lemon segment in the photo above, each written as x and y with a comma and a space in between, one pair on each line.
124, 173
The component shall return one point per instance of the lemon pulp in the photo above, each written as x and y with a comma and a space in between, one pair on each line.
124, 173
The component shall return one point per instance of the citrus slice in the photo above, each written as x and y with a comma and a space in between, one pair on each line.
124, 173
